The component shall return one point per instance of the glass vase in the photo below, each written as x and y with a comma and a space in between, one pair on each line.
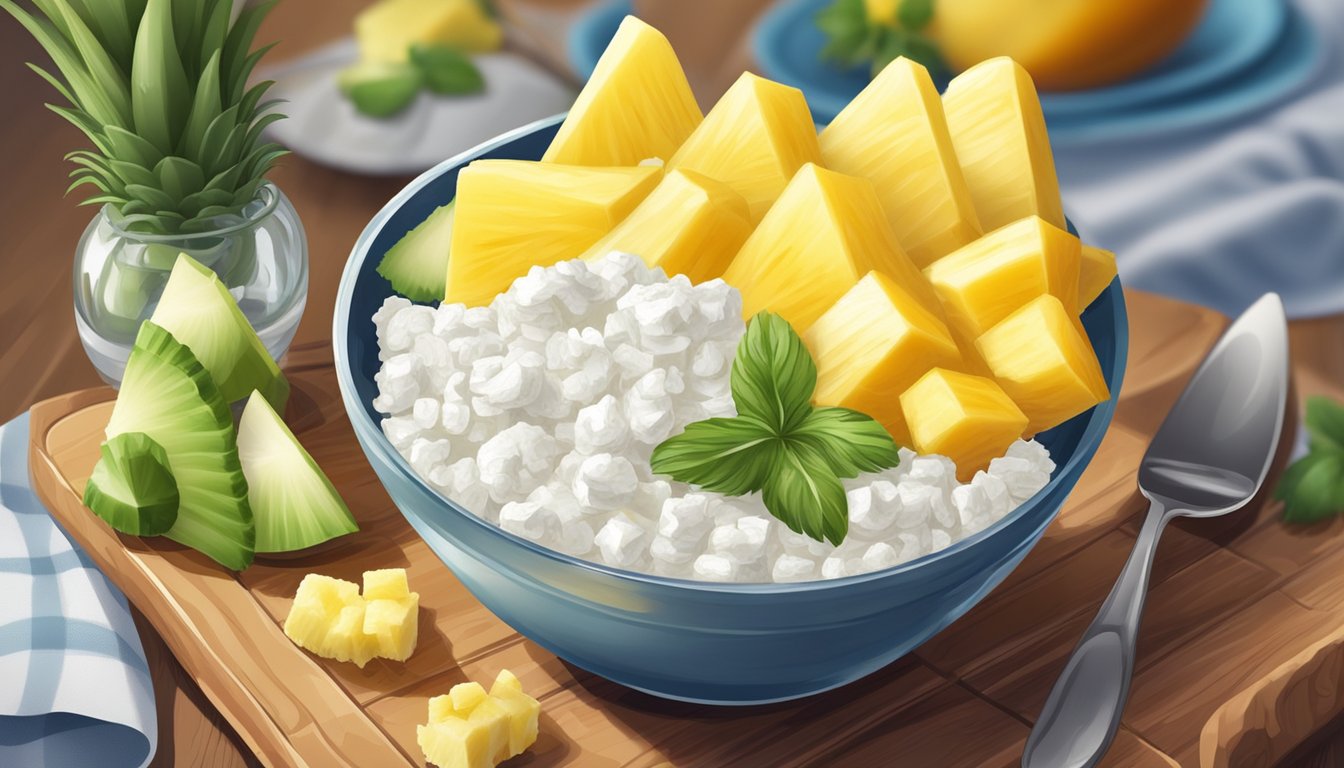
260, 254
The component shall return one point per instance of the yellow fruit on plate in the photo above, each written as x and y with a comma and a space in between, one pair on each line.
1096, 272
1045, 363
512, 215
330, 618
636, 105
825, 232
387, 29
989, 279
871, 345
689, 225
894, 133
754, 139
998, 131
1065, 44
967, 418
469, 728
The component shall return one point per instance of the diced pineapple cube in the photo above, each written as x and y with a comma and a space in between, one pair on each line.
1045, 363
989, 279
636, 105
689, 225
894, 133
754, 139
387, 29
317, 606
441, 707
476, 729
455, 743
1096, 272
523, 710
967, 418
331, 619
492, 718
346, 640
515, 214
871, 345
998, 131
393, 625
386, 584
466, 696
825, 232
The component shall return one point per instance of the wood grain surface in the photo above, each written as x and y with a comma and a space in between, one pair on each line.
40, 357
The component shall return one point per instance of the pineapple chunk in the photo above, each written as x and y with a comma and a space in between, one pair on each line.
469, 728
967, 418
1096, 272
393, 626
998, 131
386, 584
689, 225
1044, 363
346, 640
894, 133
992, 277
754, 139
636, 105
331, 619
871, 345
387, 29
825, 232
515, 214
318, 608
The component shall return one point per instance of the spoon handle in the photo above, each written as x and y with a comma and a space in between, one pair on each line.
1083, 712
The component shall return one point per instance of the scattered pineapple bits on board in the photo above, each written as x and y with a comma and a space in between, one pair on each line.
330, 617
470, 728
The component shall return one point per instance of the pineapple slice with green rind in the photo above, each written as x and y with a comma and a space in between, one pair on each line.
894, 133
998, 130
991, 278
1096, 272
689, 225
1044, 361
871, 345
825, 232
636, 105
967, 418
754, 140
512, 215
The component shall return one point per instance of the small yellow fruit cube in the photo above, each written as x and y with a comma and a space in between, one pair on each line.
894, 133
455, 743
316, 610
331, 619
394, 626
386, 584
824, 233
523, 710
998, 129
387, 29
1095, 274
754, 139
689, 225
871, 345
469, 728
1045, 363
465, 697
991, 278
346, 640
967, 418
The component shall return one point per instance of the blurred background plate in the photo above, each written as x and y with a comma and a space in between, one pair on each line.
324, 127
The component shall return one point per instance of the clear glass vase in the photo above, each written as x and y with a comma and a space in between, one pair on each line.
260, 253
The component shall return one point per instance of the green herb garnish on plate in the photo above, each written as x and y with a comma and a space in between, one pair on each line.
1312, 489
876, 32
794, 453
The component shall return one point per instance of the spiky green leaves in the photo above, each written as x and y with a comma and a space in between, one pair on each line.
160, 89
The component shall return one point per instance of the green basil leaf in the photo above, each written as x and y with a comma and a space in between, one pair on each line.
1325, 421
849, 441
773, 375
727, 455
1313, 488
447, 70
915, 15
805, 494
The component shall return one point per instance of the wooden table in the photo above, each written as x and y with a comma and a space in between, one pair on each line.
42, 357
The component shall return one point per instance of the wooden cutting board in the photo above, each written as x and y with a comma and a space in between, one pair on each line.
1238, 638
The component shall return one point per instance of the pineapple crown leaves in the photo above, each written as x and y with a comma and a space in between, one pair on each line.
160, 89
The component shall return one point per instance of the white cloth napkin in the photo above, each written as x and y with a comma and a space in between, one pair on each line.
1220, 215
74, 686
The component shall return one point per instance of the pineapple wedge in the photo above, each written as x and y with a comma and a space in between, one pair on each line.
754, 139
998, 131
512, 215
989, 279
1045, 363
967, 418
689, 225
387, 29
871, 345
469, 728
894, 133
1096, 272
636, 105
825, 232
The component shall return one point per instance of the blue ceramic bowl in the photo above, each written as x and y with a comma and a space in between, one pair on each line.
694, 641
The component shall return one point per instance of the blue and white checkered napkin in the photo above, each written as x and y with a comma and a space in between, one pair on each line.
74, 686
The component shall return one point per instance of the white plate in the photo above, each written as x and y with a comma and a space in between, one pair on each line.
324, 127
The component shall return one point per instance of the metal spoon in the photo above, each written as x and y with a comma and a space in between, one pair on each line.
1209, 458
